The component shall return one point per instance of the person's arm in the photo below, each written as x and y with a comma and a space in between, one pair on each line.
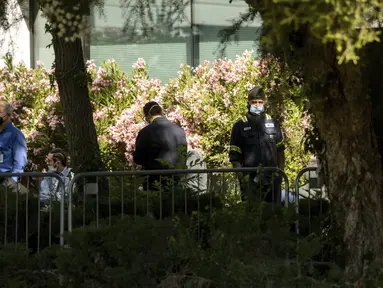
235, 152
141, 148
19, 154
45, 188
182, 150
281, 159
280, 148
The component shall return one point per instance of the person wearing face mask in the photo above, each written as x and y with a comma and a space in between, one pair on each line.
257, 140
57, 163
161, 144
13, 149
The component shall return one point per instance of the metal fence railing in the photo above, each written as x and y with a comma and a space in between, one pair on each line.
107, 195
312, 209
104, 197
163, 192
312, 190
26, 218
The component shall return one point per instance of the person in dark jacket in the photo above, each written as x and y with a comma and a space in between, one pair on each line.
257, 140
161, 144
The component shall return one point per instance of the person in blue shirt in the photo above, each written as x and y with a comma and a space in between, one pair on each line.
13, 148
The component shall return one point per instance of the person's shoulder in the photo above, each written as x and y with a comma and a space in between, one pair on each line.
272, 119
145, 129
144, 133
16, 131
240, 122
156, 123
176, 127
195, 152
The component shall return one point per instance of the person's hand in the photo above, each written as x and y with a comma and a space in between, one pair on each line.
237, 165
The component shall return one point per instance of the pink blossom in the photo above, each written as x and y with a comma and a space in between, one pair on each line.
140, 64
34, 135
101, 113
39, 64
91, 66
52, 98
44, 82
204, 100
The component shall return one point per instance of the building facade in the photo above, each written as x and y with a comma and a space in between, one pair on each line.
164, 36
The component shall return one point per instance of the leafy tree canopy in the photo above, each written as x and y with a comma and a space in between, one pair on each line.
349, 24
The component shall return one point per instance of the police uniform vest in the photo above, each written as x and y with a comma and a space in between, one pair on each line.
260, 142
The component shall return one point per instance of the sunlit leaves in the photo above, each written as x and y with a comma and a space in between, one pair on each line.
349, 24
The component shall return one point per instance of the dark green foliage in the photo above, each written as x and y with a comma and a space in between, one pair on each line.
19, 269
244, 245
22, 229
206, 245
131, 252
144, 252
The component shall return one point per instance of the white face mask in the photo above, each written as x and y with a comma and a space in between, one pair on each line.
257, 109
51, 168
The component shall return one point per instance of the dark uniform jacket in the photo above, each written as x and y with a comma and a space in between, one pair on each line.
160, 144
256, 140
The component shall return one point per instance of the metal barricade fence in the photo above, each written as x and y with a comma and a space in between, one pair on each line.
26, 200
135, 196
312, 209
217, 181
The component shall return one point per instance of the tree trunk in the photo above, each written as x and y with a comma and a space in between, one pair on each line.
353, 164
74, 96
342, 110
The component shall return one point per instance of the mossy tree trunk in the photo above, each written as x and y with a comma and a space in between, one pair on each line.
343, 114
71, 78
353, 163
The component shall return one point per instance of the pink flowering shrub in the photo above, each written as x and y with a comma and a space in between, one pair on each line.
205, 100
117, 102
210, 98
37, 110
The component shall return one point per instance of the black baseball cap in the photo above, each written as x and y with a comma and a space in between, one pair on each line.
256, 93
